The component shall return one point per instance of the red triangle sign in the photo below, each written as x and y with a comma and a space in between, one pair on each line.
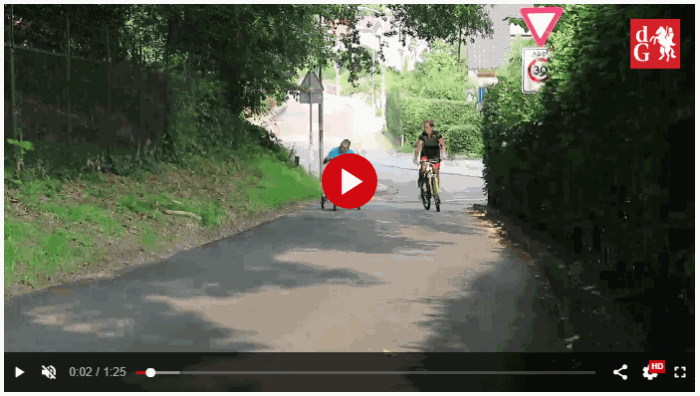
541, 21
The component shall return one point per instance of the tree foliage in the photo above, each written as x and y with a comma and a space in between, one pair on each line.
601, 147
253, 51
449, 22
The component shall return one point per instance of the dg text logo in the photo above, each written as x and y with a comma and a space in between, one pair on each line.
652, 38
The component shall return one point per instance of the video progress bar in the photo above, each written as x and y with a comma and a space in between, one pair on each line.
367, 372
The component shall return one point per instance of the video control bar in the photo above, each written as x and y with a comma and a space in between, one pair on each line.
302, 372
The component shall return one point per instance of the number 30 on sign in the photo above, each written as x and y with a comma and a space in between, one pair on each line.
535, 69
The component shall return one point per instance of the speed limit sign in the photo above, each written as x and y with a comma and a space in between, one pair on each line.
535, 69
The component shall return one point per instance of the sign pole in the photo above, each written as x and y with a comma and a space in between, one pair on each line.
374, 106
311, 131
312, 92
320, 128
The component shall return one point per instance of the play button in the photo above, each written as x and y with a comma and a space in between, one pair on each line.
18, 372
349, 181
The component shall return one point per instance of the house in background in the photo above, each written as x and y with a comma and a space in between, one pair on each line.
397, 56
484, 56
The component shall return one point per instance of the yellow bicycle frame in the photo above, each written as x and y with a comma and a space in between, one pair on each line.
430, 170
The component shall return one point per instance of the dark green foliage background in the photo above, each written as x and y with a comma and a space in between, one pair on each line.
602, 157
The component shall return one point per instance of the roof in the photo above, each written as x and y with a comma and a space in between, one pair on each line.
492, 53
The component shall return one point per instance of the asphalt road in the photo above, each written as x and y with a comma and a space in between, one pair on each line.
389, 276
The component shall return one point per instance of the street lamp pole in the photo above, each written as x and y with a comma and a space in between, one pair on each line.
382, 98
374, 106
320, 113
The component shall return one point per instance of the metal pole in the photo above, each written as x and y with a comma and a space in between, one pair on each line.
382, 99
13, 93
337, 69
320, 115
69, 112
320, 136
311, 122
109, 93
320, 127
311, 131
373, 102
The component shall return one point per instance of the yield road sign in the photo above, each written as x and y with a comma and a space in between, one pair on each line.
535, 69
541, 21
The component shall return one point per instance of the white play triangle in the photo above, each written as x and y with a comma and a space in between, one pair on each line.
348, 181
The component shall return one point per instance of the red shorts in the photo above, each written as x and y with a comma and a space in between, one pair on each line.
425, 159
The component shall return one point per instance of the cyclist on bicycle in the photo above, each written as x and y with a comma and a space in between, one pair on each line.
344, 148
430, 147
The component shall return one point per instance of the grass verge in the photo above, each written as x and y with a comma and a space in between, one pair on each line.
57, 232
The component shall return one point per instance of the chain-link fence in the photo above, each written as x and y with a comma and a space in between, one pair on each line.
76, 84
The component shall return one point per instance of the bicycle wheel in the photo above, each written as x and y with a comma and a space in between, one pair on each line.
425, 195
436, 196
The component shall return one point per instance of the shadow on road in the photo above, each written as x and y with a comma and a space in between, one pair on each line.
484, 312
484, 317
130, 312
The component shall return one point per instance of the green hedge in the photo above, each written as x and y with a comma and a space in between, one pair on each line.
464, 138
591, 159
459, 121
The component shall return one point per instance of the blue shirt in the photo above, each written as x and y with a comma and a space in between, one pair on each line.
336, 152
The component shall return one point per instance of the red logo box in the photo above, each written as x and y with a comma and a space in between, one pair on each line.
655, 43
657, 366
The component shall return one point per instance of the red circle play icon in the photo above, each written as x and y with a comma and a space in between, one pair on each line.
349, 181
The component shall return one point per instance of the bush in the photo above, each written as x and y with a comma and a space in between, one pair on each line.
405, 115
439, 76
464, 138
591, 157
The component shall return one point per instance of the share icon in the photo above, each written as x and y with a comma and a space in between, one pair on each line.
617, 372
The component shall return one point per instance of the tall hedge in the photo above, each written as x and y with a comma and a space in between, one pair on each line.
458, 121
602, 160
465, 138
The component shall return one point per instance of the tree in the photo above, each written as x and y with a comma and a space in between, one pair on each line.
251, 51
449, 22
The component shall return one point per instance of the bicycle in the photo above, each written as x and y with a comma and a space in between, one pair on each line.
433, 187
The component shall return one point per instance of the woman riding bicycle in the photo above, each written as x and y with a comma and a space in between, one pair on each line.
431, 148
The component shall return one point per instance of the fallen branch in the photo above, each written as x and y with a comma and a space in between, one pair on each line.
181, 213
